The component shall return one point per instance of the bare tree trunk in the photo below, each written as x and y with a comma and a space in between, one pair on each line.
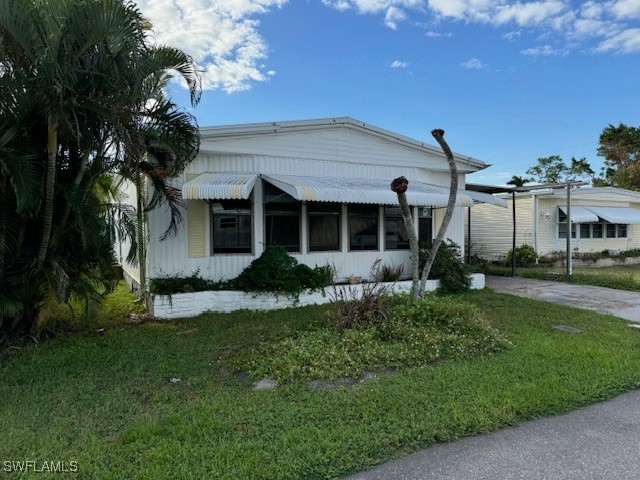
399, 186
47, 224
453, 190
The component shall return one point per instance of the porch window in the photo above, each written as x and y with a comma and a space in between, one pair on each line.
281, 219
324, 226
231, 226
363, 227
395, 233
425, 225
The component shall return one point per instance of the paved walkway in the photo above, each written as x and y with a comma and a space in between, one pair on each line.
601, 441
620, 303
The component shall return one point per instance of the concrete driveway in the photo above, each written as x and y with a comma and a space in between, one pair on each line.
598, 442
620, 303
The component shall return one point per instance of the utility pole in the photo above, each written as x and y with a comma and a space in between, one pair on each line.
569, 259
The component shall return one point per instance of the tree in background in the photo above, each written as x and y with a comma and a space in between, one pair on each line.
518, 181
620, 147
553, 169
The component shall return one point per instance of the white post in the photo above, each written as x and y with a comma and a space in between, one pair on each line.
569, 259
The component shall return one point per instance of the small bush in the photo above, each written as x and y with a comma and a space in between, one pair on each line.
390, 272
275, 271
170, 284
359, 313
448, 267
525, 256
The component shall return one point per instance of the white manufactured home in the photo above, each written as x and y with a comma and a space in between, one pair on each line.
318, 188
602, 218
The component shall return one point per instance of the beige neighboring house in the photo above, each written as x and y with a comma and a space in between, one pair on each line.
318, 188
603, 218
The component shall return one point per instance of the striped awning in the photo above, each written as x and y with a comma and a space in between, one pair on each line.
368, 191
220, 186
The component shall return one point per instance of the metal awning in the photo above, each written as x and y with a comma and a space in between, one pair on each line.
625, 215
362, 190
220, 186
580, 214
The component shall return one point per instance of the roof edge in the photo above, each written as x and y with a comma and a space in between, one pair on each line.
266, 128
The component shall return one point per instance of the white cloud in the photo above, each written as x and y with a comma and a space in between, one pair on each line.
432, 34
222, 35
473, 64
399, 64
626, 8
512, 35
627, 41
545, 51
394, 10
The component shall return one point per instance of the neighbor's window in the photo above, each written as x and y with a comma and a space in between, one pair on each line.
231, 226
281, 219
562, 226
616, 230
363, 227
324, 226
395, 233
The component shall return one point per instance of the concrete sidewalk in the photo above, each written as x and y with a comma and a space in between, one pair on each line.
600, 441
620, 303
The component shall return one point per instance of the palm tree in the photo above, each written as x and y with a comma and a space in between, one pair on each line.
76, 77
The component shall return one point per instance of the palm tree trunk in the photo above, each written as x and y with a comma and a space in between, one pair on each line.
399, 186
453, 190
47, 221
142, 244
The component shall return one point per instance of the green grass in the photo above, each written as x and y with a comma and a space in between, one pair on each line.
106, 401
621, 277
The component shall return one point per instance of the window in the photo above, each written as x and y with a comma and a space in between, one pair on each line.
562, 226
616, 230
585, 230
231, 226
425, 225
596, 230
363, 227
395, 233
282, 219
324, 226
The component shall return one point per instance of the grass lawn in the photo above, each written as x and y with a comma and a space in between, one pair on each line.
107, 402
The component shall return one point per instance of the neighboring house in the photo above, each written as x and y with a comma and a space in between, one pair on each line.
603, 218
318, 188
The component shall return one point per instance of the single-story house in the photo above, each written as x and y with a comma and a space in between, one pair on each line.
318, 188
602, 218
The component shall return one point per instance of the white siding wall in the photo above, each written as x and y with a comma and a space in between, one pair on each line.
492, 228
455, 232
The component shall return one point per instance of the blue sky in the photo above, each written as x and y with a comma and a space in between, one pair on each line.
508, 81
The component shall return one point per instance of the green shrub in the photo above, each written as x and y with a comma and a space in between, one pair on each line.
525, 256
275, 271
412, 334
390, 272
170, 284
448, 267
